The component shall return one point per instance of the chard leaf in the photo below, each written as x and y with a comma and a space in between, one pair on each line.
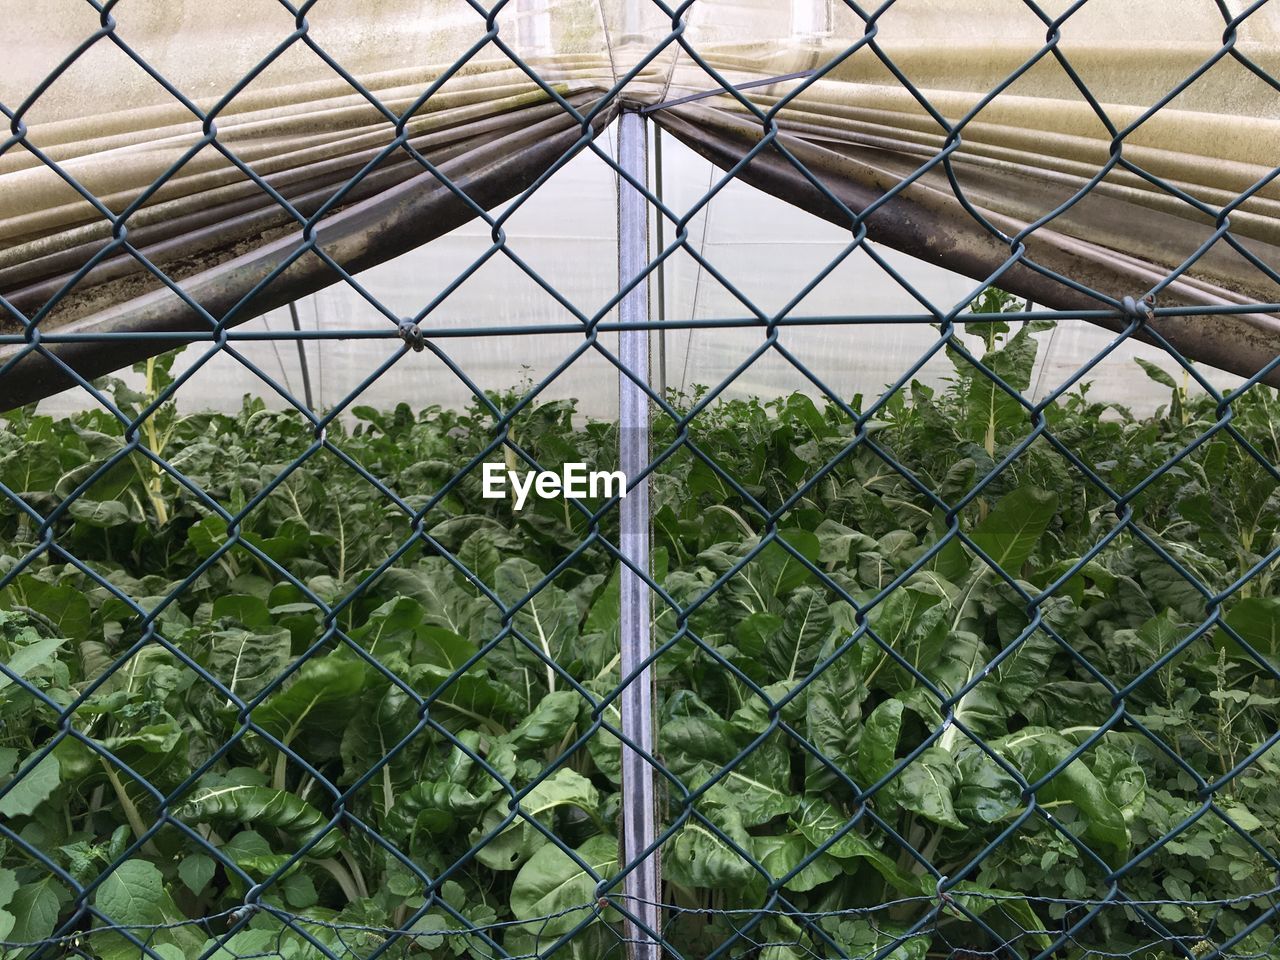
1013, 528
1023, 672
979, 900
245, 609
442, 648
433, 584
60, 603
604, 614
926, 787
549, 722
1257, 620
133, 896
776, 572
30, 656
434, 808
904, 621
319, 685
8, 885
251, 852
35, 907
837, 544
700, 858
245, 661
196, 871
469, 700
758, 798
1124, 780
31, 789
806, 622
391, 629
823, 826
1035, 751
482, 551
985, 793
103, 513
879, 742
385, 717
698, 745
552, 882
549, 619
250, 804
833, 710
759, 635
517, 841
151, 750
780, 855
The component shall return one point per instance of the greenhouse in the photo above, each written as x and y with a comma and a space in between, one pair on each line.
744, 480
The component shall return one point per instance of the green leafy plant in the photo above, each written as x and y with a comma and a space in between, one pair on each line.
319, 709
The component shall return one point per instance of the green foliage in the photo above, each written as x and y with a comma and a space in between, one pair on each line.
276, 689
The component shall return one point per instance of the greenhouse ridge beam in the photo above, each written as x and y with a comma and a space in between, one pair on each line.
640, 805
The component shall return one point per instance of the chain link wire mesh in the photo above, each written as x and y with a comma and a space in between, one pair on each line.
944, 673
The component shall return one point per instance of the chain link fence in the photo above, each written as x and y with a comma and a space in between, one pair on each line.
934, 672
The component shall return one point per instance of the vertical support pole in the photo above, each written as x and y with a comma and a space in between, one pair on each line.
639, 810
302, 357
660, 229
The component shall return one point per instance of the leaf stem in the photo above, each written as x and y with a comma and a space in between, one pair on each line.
130, 809
356, 874
342, 876
280, 771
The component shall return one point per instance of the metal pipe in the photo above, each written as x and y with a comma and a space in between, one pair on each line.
660, 226
639, 816
302, 357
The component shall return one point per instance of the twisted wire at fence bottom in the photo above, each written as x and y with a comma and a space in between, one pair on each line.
673, 913
145, 932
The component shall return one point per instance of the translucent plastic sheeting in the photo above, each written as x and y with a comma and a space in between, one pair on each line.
1078, 165
222, 168
765, 247
1171, 140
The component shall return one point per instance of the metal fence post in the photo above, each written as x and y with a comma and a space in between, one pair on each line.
639, 811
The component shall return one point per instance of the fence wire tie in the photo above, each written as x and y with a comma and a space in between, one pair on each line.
1142, 310
412, 334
